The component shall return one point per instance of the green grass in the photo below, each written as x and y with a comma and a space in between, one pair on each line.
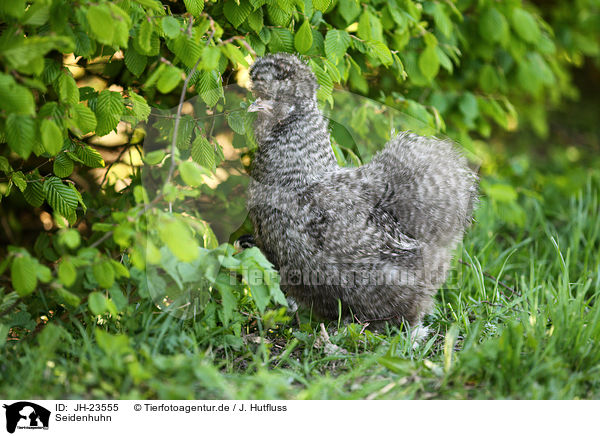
519, 318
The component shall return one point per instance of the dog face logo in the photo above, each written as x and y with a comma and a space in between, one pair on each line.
26, 415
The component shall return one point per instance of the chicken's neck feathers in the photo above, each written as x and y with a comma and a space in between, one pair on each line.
296, 152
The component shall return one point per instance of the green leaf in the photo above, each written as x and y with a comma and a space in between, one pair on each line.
194, 7
488, 79
235, 13
332, 70
495, 111
140, 108
26, 54
210, 58
493, 27
79, 197
445, 61
83, 120
349, 10
265, 35
184, 133
468, 106
19, 179
186, 49
109, 108
101, 23
20, 134
191, 173
441, 20
44, 274
54, 111
209, 87
84, 45
203, 153
286, 5
324, 80
104, 273
379, 50
429, 63
228, 298
66, 272
171, 26
236, 122
500, 192
68, 297
178, 237
155, 5
256, 20
235, 55
97, 303
68, 91
258, 290
336, 45
121, 270
4, 329
144, 36
146, 41
281, 40
4, 165
112, 344
169, 79
13, 8
154, 157
321, 5
15, 98
37, 14
135, 62
303, 39
34, 193
69, 238
60, 197
23, 274
525, 25
117, 296
369, 27
52, 137
122, 25
89, 156
278, 16
63, 166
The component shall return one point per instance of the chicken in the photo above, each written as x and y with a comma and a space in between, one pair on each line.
374, 241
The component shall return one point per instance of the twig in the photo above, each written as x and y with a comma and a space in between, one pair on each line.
213, 29
173, 147
178, 119
125, 148
102, 239
189, 27
242, 40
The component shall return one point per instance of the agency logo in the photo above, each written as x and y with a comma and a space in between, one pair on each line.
26, 415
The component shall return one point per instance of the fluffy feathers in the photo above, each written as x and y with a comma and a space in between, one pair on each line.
377, 238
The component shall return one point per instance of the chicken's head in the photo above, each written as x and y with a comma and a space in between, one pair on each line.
281, 77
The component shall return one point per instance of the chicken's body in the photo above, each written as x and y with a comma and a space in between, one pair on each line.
375, 240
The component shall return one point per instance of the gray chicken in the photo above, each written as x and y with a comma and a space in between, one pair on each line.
374, 241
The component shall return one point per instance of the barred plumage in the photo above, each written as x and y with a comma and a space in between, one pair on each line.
377, 238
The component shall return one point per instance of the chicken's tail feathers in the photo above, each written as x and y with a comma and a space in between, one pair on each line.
433, 190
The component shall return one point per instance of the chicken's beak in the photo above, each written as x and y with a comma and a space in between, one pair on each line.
261, 105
